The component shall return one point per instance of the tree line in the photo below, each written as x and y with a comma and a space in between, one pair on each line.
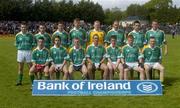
51, 10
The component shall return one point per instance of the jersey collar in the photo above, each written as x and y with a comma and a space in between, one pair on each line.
154, 30
97, 30
112, 46
76, 48
56, 47
135, 31
130, 45
41, 33
94, 45
114, 29
60, 31
40, 49
76, 28
151, 47
22, 33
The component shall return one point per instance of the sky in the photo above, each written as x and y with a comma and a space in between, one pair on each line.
123, 4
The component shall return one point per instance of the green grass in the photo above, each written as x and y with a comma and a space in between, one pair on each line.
21, 97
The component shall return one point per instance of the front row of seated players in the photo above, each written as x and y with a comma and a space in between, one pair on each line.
126, 59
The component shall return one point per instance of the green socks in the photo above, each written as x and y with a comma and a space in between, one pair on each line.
32, 78
46, 77
57, 75
20, 77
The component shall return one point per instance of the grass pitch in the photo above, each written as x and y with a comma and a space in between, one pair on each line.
21, 97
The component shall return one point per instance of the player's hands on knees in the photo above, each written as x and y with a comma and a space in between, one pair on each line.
141, 65
124, 65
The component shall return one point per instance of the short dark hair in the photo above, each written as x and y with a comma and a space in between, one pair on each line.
41, 38
95, 35
41, 24
76, 19
23, 23
155, 20
76, 38
130, 36
113, 37
152, 37
97, 21
61, 22
116, 21
56, 36
136, 22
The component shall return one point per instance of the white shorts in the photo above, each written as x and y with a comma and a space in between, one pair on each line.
113, 63
58, 66
24, 56
97, 65
132, 65
153, 65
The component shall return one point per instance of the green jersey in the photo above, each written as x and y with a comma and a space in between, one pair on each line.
159, 36
139, 38
24, 41
119, 37
80, 33
40, 56
95, 53
63, 36
47, 39
131, 53
151, 54
113, 53
58, 55
77, 56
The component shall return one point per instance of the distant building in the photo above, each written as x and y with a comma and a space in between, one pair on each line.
129, 21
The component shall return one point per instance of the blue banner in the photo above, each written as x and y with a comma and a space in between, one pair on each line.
96, 87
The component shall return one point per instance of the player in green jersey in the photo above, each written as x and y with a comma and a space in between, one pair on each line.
159, 36
79, 32
152, 58
62, 34
24, 43
119, 33
59, 57
96, 55
114, 59
139, 37
42, 33
131, 57
40, 60
77, 59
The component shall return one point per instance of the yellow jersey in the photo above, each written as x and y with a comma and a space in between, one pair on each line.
100, 33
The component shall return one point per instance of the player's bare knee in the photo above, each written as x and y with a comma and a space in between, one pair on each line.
89, 67
147, 68
161, 68
70, 71
66, 73
141, 70
51, 70
110, 69
105, 68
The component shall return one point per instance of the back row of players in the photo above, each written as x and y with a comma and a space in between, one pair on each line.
79, 51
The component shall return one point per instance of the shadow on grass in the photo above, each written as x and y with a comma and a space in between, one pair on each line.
170, 80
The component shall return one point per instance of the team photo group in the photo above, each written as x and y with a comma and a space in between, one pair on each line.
60, 55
